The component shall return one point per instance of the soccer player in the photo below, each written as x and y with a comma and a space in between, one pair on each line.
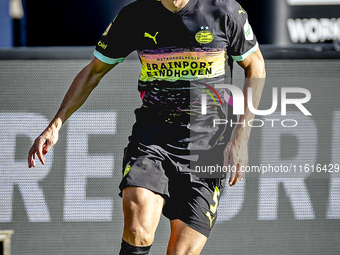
185, 47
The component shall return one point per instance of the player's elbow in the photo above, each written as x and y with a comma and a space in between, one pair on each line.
260, 69
99, 68
256, 68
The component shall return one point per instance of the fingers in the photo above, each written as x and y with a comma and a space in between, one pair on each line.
40, 152
42, 145
229, 161
37, 148
236, 175
46, 147
31, 159
235, 165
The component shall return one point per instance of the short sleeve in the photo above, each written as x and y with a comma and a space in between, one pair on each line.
117, 42
242, 41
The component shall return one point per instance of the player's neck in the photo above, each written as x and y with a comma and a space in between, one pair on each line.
174, 5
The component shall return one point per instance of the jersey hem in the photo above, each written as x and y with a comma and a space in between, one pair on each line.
107, 60
245, 55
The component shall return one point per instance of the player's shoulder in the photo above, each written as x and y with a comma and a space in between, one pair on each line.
138, 9
225, 7
141, 4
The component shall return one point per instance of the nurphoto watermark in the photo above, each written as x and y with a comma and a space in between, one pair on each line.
238, 106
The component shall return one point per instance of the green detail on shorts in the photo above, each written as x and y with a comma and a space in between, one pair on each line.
127, 170
221, 138
209, 95
213, 209
210, 218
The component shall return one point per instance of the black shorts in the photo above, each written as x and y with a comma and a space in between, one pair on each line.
157, 158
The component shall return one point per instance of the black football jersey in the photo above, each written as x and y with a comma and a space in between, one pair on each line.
183, 54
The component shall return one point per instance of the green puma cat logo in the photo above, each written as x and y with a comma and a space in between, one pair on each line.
150, 36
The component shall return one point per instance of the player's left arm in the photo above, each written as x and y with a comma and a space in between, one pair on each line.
236, 152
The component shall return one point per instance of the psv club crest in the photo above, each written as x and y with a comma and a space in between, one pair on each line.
204, 36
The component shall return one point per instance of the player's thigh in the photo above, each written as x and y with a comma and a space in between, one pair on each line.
184, 240
142, 211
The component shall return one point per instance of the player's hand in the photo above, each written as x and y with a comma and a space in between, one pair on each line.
235, 157
42, 145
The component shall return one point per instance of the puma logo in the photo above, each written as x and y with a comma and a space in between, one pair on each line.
210, 218
213, 208
241, 10
150, 36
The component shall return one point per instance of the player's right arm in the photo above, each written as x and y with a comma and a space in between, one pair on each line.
81, 87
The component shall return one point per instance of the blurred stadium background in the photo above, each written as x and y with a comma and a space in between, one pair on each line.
71, 205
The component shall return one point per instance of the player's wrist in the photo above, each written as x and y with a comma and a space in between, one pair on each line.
55, 124
241, 133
